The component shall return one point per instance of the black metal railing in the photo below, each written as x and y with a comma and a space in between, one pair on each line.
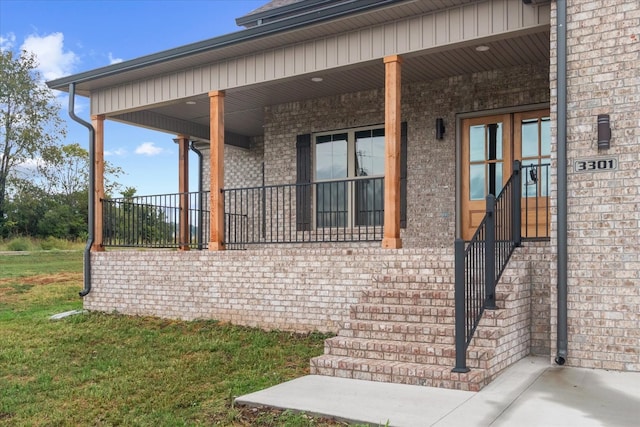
480, 262
236, 228
331, 211
155, 221
535, 201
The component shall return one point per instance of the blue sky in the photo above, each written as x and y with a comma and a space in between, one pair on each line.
73, 36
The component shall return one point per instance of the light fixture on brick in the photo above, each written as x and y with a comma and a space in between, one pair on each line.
439, 128
604, 132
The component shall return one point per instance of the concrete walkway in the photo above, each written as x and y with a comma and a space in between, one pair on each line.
530, 393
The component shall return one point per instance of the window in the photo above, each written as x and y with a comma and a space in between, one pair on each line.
337, 187
349, 171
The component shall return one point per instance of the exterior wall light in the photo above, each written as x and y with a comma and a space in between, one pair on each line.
604, 132
439, 128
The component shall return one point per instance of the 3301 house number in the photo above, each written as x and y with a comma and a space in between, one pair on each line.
596, 165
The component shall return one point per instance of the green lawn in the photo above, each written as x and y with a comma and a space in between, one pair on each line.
109, 369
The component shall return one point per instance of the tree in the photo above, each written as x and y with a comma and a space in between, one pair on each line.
30, 122
52, 199
65, 170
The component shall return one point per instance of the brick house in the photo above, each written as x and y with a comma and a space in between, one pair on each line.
345, 146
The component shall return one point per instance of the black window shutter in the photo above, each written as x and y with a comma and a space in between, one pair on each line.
303, 179
403, 175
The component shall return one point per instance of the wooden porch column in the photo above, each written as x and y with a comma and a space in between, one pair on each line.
392, 122
98, 125
183, 189
216, 163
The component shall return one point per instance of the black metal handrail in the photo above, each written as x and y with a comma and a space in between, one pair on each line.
350, 210
480, 262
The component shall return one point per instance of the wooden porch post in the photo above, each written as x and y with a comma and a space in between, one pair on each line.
98, 125
392, 120
216, 163
183, 189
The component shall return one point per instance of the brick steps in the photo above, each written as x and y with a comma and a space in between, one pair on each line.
402, 329
407, 336
414, 282
399, 351
404, 313
398, 372
399, 331
413, 297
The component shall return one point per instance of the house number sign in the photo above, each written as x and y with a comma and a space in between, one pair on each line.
598, 164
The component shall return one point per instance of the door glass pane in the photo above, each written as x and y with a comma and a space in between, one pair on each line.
370, 152
544, 180
530, 138
476, 181
476, 143
331, 156
545, 136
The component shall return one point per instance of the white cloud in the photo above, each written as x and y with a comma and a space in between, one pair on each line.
27, 167
119, 152
148, 149
113, 60
6, 43
53, 61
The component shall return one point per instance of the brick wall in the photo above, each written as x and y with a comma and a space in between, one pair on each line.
290, 289
603, 52
297, 289
539, 256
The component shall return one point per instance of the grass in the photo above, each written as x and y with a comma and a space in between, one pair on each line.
25, 244
109, 369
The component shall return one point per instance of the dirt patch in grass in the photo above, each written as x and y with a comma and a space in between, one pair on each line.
266, 416
5, 416
44, 279
14, 289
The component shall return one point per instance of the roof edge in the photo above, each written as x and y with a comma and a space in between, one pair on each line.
275, 27
252, 17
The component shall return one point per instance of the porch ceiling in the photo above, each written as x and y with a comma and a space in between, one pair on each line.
244, 107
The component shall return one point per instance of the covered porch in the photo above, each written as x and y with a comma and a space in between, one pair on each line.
251, 114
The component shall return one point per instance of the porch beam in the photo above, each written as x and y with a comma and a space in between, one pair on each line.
183, 189
392, 124
216, 163
98, 125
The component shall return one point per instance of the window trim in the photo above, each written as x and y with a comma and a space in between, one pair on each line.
351, 172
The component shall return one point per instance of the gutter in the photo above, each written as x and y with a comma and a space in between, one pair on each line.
92, 185
273, 13
338, 10
562, 345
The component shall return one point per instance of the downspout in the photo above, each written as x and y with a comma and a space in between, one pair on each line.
562, 182
200, 217
92, 189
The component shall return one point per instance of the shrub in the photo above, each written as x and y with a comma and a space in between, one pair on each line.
20, 244
54, 243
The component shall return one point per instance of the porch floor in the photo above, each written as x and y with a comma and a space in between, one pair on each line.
532, 392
